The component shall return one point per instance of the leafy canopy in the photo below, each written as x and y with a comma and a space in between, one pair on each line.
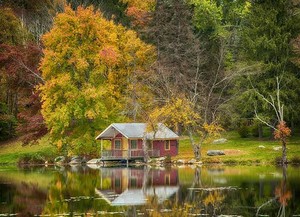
87, 65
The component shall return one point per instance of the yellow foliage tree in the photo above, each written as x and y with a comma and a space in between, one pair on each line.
179, 113
87, 65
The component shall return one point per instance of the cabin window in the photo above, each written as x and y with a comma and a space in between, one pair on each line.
133, 144
167, 145
118, 144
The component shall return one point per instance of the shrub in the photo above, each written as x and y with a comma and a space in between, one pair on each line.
168, 159
243, 131
295, 160
254, 130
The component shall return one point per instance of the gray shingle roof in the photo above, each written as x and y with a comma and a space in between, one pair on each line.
137, 130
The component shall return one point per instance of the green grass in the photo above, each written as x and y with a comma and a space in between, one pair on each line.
241, 150
11, 152
238, 150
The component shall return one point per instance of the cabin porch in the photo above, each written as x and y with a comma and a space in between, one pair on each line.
130, 154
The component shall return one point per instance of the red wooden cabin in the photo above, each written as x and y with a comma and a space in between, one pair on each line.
127, 139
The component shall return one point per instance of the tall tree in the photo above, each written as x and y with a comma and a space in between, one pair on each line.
181, 71
270, 46
36, 16
19, 59
87, 65
112, 10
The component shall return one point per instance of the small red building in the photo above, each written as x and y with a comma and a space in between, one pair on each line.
127, 141
135, 186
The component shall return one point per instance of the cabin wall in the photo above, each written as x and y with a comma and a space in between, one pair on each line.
157, 145
164, 177
124, 146
160, 145
124, 141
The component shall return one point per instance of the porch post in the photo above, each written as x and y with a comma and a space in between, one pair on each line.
101, 141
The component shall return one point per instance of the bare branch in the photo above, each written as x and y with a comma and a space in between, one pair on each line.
263, 121
30, 70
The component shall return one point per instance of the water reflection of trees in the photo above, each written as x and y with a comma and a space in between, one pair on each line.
282, 195
72, 192
22, 198
210, 192
204, 198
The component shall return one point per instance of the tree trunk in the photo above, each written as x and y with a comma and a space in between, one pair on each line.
197, 151
260, 131
284, 174
145, 150
272, 133
196, 147
284, 157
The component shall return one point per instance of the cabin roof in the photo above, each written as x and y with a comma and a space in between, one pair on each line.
136, 130
138, 196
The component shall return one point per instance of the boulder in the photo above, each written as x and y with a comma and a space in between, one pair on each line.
219, 141
215, 152
59, 160
181, 162
94, 161
277, 148
161, 159
192, 161
76, 160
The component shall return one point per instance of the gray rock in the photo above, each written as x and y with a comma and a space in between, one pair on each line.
261, 146
192, 161
181, 161
59, 160
75, 161
219, 141
94, 161
277, 148
161, 159
215, 152
76, 158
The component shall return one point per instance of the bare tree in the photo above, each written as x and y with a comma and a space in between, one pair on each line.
281, 131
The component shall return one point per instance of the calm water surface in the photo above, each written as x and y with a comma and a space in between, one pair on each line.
139, 191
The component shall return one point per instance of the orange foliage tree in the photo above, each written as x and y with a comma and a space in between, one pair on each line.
87, 65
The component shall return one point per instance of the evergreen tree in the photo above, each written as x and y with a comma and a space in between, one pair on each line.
267, 32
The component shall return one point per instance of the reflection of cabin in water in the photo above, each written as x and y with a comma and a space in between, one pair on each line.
125, 186
127, 141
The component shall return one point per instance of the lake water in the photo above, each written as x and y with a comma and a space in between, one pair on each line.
139, 191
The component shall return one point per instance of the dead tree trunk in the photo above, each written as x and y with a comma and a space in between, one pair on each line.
284, 156
145, 150
196, 147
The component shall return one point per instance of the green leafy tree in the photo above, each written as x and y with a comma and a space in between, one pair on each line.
87, 65
266, 35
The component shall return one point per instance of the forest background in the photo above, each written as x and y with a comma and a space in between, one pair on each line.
70, 68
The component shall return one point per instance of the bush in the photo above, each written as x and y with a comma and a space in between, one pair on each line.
243, 131
278, 160
35, 158
168, 159
254, 130
295, 160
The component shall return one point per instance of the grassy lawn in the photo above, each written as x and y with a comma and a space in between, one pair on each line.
237, 150
242, 150
12, 151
